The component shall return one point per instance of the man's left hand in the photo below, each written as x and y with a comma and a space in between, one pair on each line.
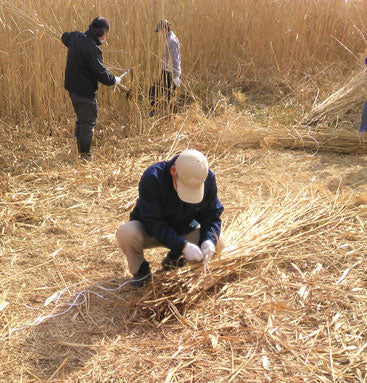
177, 82
208, 249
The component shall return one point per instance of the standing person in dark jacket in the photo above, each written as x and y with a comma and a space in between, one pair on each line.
84, 69
174, 198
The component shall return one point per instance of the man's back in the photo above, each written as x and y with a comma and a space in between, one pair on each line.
84, 67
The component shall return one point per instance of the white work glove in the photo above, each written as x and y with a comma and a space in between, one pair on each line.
192, 253
117, 80
208, 249
177, 82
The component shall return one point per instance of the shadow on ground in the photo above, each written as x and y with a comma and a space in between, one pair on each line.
72, 339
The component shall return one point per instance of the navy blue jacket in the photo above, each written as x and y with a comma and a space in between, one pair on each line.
166, 217
84, 65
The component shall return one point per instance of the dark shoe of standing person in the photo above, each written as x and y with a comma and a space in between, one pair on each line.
173, 261
86, 157
142, 276
84, 150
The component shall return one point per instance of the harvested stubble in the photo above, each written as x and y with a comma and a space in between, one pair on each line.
286, 301
345, 103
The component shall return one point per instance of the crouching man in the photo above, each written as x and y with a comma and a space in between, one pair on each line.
177, 208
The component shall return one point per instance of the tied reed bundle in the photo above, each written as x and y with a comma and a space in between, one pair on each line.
269, 232
344, 103
339, 141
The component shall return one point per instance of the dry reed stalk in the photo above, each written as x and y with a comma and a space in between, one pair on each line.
338, 141
256, 238
233, 132
294, 311
345, 103
240, 42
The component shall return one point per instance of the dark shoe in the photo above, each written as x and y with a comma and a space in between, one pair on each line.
84, 145
84, 150
173, 261
86, 157
142, 276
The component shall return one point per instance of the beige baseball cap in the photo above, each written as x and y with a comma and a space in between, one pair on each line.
192, 170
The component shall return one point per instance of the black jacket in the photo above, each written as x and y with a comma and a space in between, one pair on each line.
166, 217
84, 66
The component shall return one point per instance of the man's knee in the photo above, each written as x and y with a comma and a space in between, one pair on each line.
129, 234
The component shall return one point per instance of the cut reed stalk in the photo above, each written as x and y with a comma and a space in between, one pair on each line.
256, 237
345, 103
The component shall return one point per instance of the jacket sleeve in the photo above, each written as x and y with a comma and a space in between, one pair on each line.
150, 203
174, 49
100, 72
209, 217
65, 38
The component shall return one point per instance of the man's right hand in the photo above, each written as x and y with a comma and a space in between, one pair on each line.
192, 253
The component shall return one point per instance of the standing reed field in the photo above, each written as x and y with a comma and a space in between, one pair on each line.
225, 45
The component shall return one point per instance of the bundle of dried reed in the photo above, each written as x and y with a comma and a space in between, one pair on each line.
273, 230
344, 103
338, 141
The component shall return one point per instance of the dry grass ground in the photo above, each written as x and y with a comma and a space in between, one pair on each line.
286, 302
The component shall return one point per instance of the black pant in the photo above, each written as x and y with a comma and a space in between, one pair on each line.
164, 86
86, 113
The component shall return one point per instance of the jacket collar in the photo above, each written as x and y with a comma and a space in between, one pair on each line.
91, 34
172, 161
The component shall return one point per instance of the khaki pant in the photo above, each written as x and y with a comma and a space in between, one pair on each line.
133, 239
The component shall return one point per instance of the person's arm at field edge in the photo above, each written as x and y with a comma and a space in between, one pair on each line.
174, 49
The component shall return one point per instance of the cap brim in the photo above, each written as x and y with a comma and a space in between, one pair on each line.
190, 195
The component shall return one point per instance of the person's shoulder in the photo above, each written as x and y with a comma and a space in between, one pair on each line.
171, 36
173, 41
77, 34
210, 179
79, 37
155, 170
154, 178
91, 45
211, 175
68, 38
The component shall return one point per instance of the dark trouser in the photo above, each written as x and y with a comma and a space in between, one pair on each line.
163, 87
86, 113
363, 127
